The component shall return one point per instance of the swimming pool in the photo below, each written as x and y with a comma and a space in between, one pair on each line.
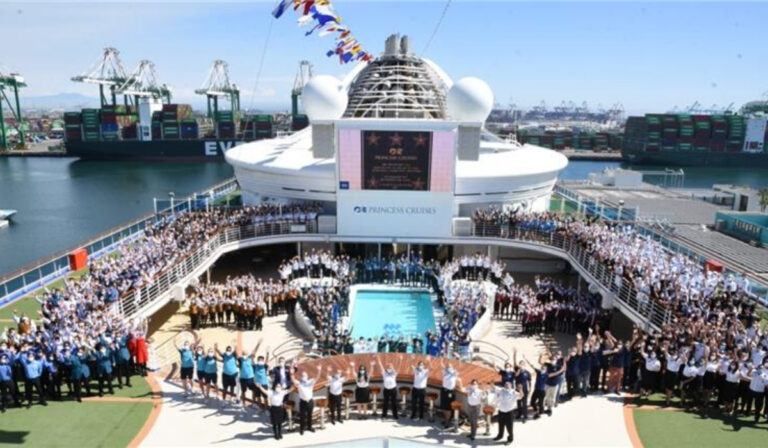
377, 313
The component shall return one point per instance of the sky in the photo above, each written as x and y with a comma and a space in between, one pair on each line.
649, 56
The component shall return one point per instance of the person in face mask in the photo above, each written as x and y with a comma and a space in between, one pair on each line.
211, 373
282, 374
228, 371
275, 398
33, 370
389, 379
6, 381
261, 377
104, 362
200, 367
688, 382
506, 402
362, 389
247, 376
306, 388
418, 391
650, 372
448, 392
187, 362
475, 396
335, 388
757, 384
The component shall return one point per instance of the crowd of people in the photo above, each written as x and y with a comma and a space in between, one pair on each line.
712, 352
549, 306
80, 333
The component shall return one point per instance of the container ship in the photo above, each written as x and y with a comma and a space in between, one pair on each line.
149, 127
729, 139
173, 132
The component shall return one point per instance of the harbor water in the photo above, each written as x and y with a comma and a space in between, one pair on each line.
63, 202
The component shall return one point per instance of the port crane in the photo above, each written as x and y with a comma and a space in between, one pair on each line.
217, 85
302, 78
108, 72
9, 88
142, 83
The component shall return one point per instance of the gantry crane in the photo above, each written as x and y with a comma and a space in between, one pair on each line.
217, 85
142, 83
302, 77
10, 85
106, 72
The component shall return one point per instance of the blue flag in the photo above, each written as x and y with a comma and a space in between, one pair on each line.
280, 8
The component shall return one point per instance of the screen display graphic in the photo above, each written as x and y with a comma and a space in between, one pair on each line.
396, 160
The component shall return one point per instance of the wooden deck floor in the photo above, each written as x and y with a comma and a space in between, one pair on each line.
403, 363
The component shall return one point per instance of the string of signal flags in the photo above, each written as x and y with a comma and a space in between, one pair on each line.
319, 14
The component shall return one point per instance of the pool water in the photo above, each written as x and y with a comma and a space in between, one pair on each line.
391, 313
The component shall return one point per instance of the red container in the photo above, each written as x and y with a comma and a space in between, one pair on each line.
713, 265
78, 259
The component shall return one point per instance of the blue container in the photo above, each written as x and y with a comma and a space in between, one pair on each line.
109, 128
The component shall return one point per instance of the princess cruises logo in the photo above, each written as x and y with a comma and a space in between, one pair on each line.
393, 210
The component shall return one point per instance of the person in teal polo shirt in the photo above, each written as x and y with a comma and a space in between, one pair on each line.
248, 369
261, 376
211, 372
187, 362
200, 366
228, 371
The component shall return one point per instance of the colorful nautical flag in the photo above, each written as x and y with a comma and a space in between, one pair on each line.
280, 8
322, 17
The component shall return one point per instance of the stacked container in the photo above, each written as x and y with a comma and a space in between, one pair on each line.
719, 134
189, 130
653, 129
73, 126
600, 142
91, 123
225, 124
702, 130
736, 133
670, 133
685, 138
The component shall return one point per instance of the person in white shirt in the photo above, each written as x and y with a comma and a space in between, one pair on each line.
275, 397
757, 384
506, 403
689, 381
362, 389
475, 396
335, 388
418, 392
672, 373
389, 380
448, 392
732, 380
306, 388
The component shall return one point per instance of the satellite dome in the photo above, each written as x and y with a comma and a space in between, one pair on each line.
469, 100
324, 98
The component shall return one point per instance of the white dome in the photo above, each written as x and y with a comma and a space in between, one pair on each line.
469, 100
324, 98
